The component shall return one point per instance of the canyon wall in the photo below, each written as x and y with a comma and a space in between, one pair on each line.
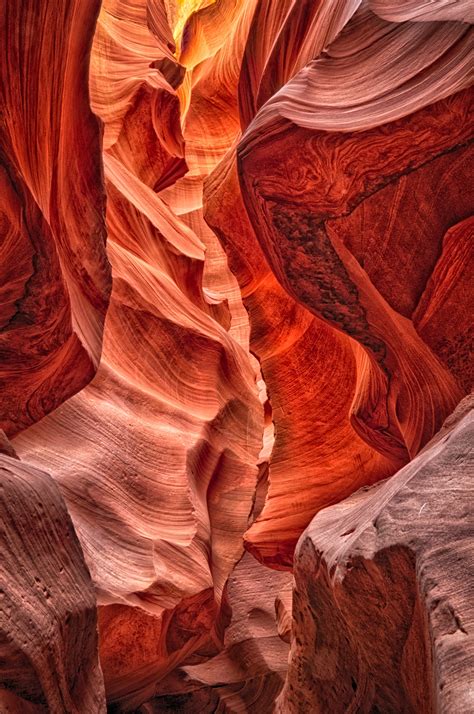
235, 347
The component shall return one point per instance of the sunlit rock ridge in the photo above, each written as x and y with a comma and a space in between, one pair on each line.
236, 356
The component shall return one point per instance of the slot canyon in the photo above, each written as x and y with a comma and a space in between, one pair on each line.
236, 356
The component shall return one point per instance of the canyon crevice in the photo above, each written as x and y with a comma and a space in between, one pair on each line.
236, 356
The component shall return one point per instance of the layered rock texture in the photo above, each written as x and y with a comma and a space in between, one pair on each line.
236, 243
382, 613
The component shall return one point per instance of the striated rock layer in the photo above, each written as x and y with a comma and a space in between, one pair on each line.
55, 273
347, 215
314, 452
48, 630
249, 672
237, 248
382, 614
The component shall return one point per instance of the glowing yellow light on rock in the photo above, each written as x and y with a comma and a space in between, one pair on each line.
184, 9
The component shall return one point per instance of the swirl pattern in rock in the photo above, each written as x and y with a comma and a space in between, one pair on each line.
55, 273
283, 184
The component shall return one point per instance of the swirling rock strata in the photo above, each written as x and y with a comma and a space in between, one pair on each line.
249, 672
335, 243
306, 228
381, 613
309, 370
164, 489
290, 242
55, 274
448, 287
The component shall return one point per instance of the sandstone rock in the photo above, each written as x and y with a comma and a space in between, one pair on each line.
311, 374
157, 458
55, 274
284, 187
249, 671
48, 620
382, 617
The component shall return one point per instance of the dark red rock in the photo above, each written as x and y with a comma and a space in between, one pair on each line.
55, 274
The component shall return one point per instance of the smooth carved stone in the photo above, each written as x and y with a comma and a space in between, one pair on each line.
373, 73
249, 671
345, 274
299, 195
310, 370
55, 274
159, 485
157, 457
402, 10
383, 581
48, 623
138, 650
397, 233
129, 39
283, 38
443, 316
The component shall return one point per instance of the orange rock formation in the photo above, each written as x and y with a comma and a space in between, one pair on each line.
237, 254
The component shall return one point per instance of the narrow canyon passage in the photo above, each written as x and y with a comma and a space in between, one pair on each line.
236, 361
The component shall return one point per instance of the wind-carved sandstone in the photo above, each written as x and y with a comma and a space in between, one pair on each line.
236, 244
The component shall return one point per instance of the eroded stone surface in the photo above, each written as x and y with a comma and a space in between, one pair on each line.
283, 185
55, 273
382, 613
48, 620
